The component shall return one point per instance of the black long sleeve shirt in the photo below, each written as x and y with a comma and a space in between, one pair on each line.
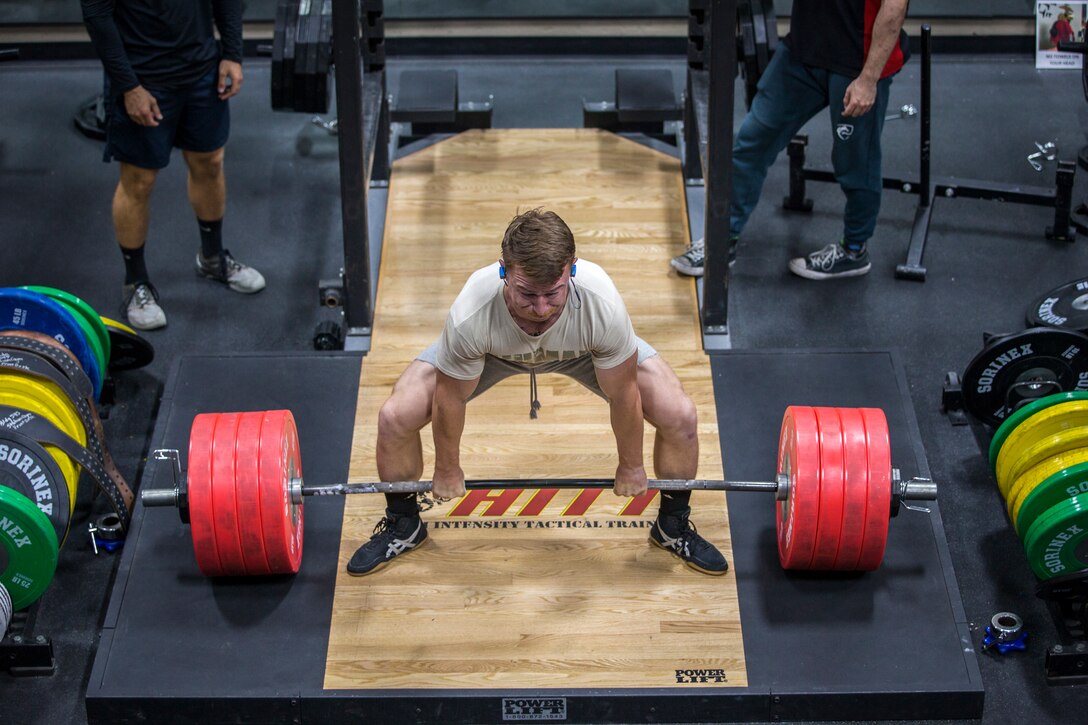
162, 43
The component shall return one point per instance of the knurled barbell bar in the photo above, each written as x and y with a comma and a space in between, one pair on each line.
244, 490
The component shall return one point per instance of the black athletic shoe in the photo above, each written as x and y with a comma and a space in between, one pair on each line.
394, 535
678, 535
832, 262
692, 261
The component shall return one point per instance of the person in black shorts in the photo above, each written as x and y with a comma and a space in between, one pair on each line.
167, 84
840, 55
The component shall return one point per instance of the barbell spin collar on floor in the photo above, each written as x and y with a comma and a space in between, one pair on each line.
243, 492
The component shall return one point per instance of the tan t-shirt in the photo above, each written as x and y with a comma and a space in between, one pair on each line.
593, 322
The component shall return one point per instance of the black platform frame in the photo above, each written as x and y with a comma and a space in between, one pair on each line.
177, 647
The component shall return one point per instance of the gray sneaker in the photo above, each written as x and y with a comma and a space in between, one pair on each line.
226, 269
691, 262
142, 306
831, 262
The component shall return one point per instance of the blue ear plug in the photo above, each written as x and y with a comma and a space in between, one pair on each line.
502, 272
573, 269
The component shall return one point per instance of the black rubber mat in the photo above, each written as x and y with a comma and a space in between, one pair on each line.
888, 644
178, 645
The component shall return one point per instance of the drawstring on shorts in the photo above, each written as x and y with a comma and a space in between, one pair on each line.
534, 404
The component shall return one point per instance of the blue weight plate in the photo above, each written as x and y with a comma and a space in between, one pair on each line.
25, 310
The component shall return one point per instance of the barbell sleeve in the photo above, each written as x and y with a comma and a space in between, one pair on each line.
159, 496
918, 489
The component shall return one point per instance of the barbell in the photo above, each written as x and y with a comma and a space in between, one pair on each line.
243, 492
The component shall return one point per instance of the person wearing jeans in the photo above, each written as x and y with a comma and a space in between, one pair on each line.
840, 55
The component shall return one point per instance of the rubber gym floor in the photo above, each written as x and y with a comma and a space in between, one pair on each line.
986, 262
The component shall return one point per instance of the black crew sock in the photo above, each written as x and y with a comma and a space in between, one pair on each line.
211, 238
674, 506
401, 504
135, 269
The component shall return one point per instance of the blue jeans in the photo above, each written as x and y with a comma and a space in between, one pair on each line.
790, 94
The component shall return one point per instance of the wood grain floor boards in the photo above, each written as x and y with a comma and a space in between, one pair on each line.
526, 589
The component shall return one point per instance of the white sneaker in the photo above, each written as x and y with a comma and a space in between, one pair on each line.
142, 306
226, 269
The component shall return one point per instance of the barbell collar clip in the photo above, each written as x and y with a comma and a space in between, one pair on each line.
178, 494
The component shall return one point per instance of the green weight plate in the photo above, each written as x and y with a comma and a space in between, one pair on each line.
128, 350
1023, 414
93, 342
1034, 476
85, 311
1056, 542
28, 549
1062, 486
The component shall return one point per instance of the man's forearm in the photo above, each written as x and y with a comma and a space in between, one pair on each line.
627, 425
886, 27
447, 426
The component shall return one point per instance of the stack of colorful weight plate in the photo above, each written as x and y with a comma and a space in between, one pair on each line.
54, 354
65, 318
1039, 456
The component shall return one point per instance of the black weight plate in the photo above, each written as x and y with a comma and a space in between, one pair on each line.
324, 59
129, 351
759, 28
313, 52
303, 72
26, 467
746, 57
313, 41
290, 34
279, 33
302, 27
1015, 369
309, 70
770, 17
1065, 307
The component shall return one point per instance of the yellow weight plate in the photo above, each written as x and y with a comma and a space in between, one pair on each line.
45, 399
1054, 445
119, 325
1029, 479
1022, 448
49, 402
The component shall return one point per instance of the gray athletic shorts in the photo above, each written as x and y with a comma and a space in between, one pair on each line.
496, 369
